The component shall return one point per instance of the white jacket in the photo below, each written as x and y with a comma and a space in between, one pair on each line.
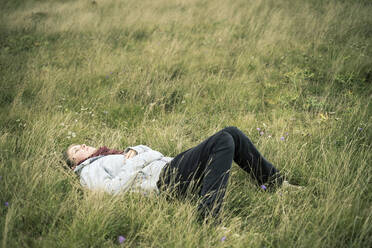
115, 174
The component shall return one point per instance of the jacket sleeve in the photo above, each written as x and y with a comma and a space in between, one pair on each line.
139, 149
144, 158
97, 178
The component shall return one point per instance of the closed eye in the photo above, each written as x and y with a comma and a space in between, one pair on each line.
75, 150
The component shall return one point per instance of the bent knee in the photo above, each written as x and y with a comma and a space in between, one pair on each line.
226, 139
231, 129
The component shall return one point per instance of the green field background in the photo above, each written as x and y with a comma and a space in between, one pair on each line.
167, 74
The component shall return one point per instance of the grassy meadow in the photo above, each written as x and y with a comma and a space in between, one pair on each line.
167, 74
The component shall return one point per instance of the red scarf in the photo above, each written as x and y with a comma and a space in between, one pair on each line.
103, 151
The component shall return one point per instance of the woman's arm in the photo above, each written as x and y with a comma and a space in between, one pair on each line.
139, 149
132, 151
97, 178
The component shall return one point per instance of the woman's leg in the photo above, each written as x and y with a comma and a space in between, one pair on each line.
249, 159
205, 168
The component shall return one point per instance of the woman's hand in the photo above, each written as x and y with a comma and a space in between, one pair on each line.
130, 154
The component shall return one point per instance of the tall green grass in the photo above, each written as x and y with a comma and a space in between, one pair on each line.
169, 74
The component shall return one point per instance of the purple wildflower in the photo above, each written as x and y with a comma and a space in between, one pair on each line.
263, 187
223, 239
121, 239
360, 129
286, 134
282, 138
261, 133
258, 129
6, 204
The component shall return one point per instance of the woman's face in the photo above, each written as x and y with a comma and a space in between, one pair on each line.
80, 152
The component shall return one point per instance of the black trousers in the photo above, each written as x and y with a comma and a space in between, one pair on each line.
205, 168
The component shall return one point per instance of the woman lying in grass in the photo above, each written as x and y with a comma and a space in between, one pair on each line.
203, 170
